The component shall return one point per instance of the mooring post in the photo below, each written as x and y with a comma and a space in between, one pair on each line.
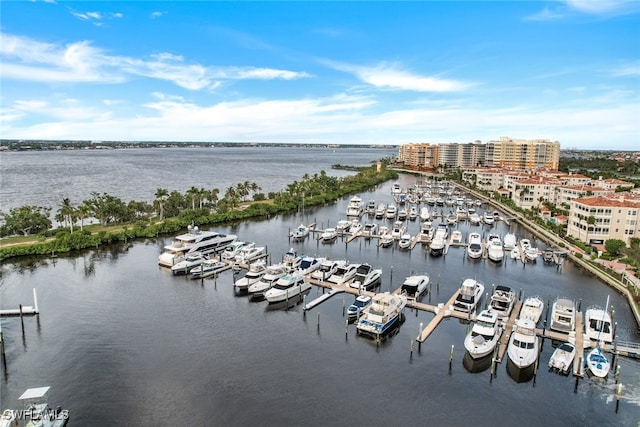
450, 358
318, 321
411, 350
535, 371
346, 329
20, 306
343, 305
618, 394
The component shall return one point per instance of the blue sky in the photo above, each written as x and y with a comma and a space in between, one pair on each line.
322, 72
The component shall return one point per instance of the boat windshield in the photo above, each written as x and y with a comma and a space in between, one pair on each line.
523, 344
597, 357
360, 304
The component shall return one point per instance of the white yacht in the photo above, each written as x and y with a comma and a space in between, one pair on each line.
522, 350
386, 240
380, 210
329, 235
291, 260
355, 310
495, 252
195, 240
254, 274
456, 237
327, 268
233, 249
502, 301
562, 358
384, 312
424, 214
366, 277
439, 240
475, 218
371, 207
249, 253
405, 241
343, 225
474, 248
598, 363
310, 264
398, 230
488, 218
563, 315
469, 297
532, 308
369, 229
209, 267
413, 213
484, 335
426, 232
354, 208
192, 260
402, 214
391, 212
268, 279
288, 286
343, 274
355, 227
509, 242
597, 325
415, 286
300, 233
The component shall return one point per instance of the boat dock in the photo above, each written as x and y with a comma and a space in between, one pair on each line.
508, 327
441, 312
23, 309
322, 298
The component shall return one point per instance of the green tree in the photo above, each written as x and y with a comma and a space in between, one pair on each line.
66, 213
614, 246
161, 195
84, 211
27, 220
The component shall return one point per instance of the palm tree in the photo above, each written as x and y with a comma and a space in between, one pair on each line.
84, 211
213, 196
161, 195
192, 193
67, 212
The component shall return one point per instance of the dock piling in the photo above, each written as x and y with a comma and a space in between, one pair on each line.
451, 358
618, 394
318, 322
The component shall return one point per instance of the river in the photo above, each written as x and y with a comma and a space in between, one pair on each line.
123, 342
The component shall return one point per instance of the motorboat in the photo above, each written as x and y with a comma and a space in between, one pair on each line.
354, 208
254, 274
474, 248
502, 301
386, 240
515, 253
439, 240
532, 254
547, 256
395, 189
475, 218
266, 282
562, 358
522, 350
532, 308
195, 240
230, 252
469, 297
291, 260
327, 268
209, 267
405, 241
384, 312
355, 227
597, 363
461, 212
300, 233
563, 315
355, 310
415, 286
249, 253
597, 325
439, 201
192, 260
401, 199
329, 235
456, 237
343, 274
288, 286
369, 229
310, 264
495, 252
380, 210
424, 214
343, 225
402, 214
371, 207
391, 212
451, 219
36, 408
484, 335
398, 230
366, 277
426, 232
509, 242
413, 213
488, 218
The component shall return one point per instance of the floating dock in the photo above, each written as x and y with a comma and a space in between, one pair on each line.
322, 298
23, 309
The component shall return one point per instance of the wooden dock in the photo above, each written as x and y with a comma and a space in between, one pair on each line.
441, 311
508, 328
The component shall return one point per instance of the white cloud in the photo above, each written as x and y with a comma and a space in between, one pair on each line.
631, 69
30, 60
545, 14
157, 14
600, 8
387, 76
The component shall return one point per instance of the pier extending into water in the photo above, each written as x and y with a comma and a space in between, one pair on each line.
23, 310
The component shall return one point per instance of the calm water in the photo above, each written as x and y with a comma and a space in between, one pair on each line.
45, 178
123, 342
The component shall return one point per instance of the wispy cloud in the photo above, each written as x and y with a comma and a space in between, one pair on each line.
390, 76
599, 8
96, 18
631, 69
157, 14
30, 60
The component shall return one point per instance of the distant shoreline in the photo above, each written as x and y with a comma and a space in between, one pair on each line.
44, 145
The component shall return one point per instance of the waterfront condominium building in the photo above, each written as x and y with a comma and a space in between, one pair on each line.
523, 154
517, 154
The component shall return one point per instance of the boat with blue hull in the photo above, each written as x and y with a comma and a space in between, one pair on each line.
385, 311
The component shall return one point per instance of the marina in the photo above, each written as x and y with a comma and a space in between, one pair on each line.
202, 337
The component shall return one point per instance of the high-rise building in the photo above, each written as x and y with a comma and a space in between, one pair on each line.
523, 154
